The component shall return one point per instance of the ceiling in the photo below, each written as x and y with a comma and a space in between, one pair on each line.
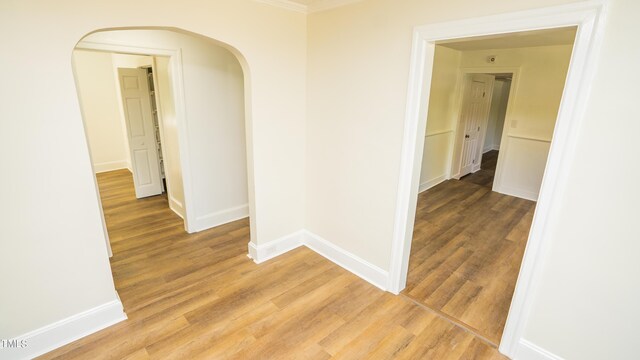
308, 6
547, 37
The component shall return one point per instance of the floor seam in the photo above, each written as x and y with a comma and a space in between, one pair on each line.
453, 321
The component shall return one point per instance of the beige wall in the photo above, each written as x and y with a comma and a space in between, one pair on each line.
441, 120
346, 133
53, 244
98, 95
587, 304
532, 116
354, 133
534, 109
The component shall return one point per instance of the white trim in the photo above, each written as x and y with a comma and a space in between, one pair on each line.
268, 251
440, 132
530, 351
336, 254
529, 137
286, 4
110, 166
176, 206
220, 218
431, 183
519, 193
347, 260
588, 17
60, 333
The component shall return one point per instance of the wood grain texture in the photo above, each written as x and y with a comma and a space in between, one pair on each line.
198, 296
467, 247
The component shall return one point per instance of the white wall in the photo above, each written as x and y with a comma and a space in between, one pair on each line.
497, 114
441, 120
53, 243
97, 92
586, 308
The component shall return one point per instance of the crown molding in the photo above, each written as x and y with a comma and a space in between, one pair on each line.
317, 6
323, 5
286, 4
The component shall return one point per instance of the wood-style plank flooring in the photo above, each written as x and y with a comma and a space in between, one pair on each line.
487, 171
198, 296
467, 247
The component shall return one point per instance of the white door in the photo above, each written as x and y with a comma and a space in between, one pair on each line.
140, 131
475, 113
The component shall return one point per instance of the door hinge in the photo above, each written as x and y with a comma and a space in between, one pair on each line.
478, 128
483, 94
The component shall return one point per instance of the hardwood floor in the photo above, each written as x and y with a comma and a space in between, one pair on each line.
487, 171
198, 296
466, 252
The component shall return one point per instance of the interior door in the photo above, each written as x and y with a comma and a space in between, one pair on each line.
475, 113
140, 131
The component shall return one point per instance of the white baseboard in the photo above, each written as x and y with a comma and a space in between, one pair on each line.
264, 252
431, 183
519, 193
347, 260
339, 256
111, 166
53, 336
529, 351
219, 218
176, 206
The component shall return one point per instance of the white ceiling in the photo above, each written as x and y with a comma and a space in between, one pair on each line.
308, 6
561, 36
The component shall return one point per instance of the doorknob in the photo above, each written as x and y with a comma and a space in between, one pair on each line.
466, 136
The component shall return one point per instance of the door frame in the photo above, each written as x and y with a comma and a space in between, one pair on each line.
175, 64
455, 159
588, 17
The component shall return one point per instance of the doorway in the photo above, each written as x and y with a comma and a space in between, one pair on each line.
586, 19
134, 93
469, 238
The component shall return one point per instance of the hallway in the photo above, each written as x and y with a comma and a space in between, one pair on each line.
467, 247
198, 296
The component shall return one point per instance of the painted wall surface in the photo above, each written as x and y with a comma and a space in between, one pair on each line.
497, 114
172, 163
532, 117
100, 103
441, 120
587, 304
53, 244
214, 97
355, 120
